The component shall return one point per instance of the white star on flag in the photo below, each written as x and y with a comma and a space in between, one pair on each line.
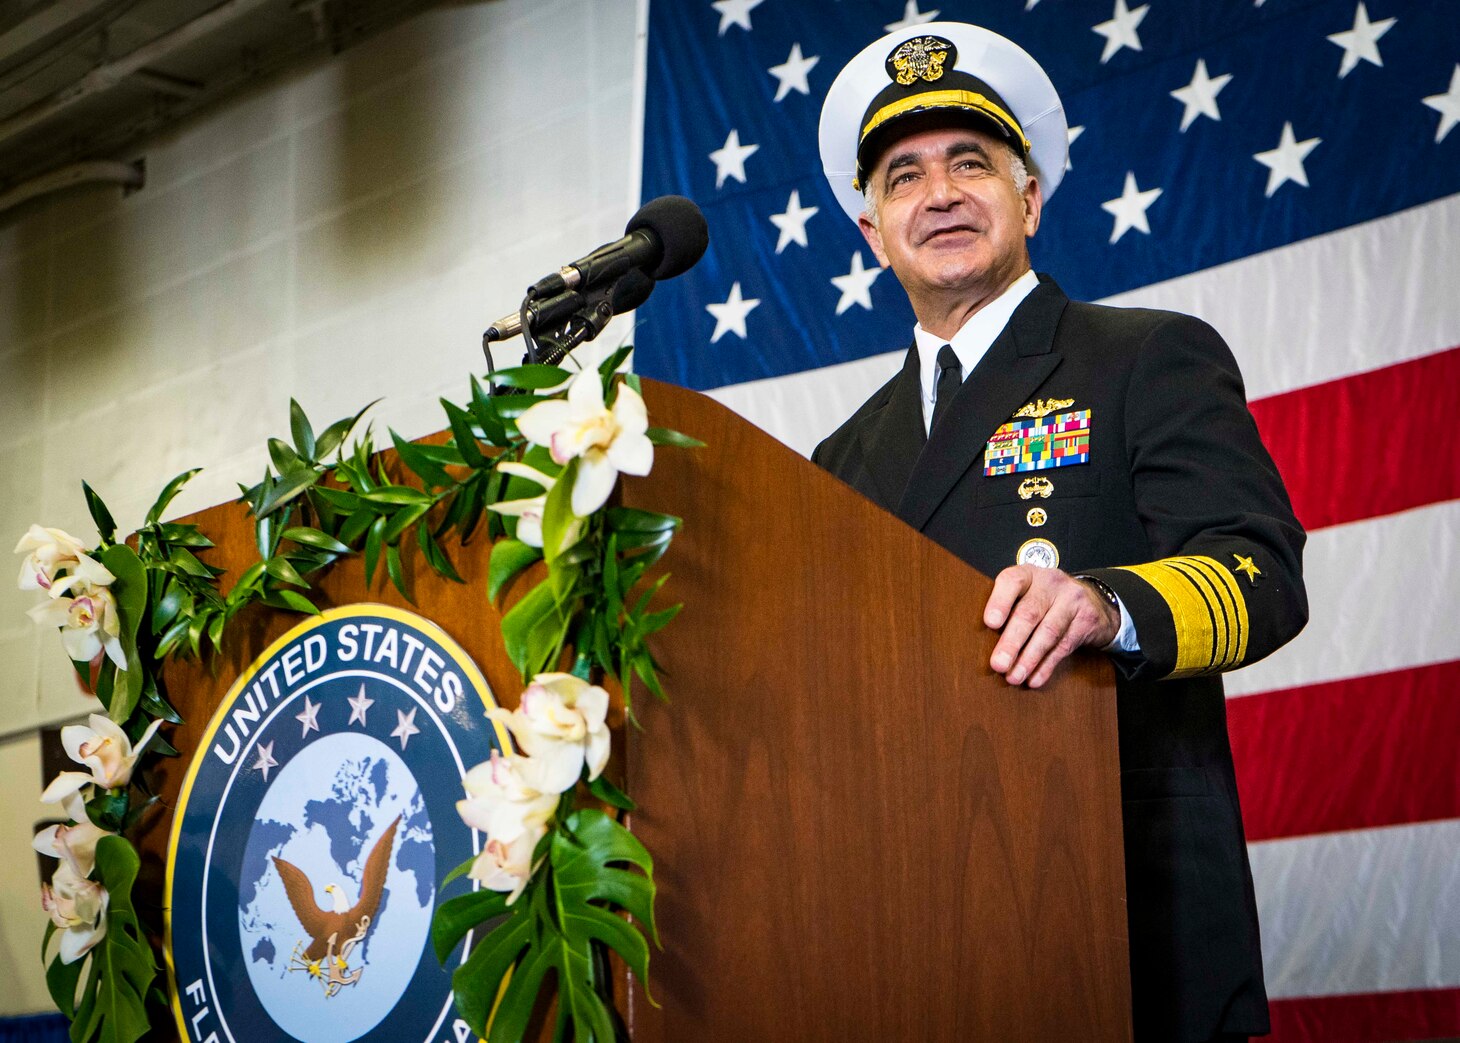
730, 316
1447, 105
856, 285
735, 12
1029, 5
307, 717
911, 16
1070, 135
730, 159
1285, 163
405, 727
792, 222
266, 759
1129, 208
792, 72
1200, 95
1360, 42
1120, 31
358, 705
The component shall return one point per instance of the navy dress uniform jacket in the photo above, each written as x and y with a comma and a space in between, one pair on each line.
1179, 509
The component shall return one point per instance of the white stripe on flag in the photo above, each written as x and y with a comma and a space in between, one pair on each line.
1378, 599
1371, 910
1328, 307
1342, 303
803, 408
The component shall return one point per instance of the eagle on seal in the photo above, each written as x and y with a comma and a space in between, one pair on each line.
325, 926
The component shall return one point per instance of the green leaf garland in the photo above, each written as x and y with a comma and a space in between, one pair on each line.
592, 608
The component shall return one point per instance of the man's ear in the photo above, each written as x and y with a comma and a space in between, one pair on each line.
1033, 206
874, 239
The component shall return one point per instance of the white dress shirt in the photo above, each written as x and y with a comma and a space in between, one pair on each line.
970, 343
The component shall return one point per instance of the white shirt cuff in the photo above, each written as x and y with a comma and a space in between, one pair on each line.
1126, 640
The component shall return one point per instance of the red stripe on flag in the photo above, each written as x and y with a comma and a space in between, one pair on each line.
1352, 754
1369, 444
1423, 1014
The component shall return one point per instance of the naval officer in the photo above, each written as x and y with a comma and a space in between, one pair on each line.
1101, 463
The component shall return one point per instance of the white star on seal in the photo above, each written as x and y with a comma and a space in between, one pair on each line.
792, 222
1070, 135
1200, 95
1285, 163
911, 16
792, 72
266, 759
856, 285
735, 12
308, 716
1447, 105
1360, 42
405, 727
730, 159
1120, 31
358, 705
1129, 208
730, 316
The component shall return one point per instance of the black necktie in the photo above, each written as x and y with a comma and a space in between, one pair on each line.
950, 378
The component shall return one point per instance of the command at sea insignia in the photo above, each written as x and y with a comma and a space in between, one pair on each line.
1037, 516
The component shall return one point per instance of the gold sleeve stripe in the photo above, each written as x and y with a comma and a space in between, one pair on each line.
1220, 604
1232, 597
1207, 609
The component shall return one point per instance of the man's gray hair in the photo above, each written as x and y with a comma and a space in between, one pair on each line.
1018, 171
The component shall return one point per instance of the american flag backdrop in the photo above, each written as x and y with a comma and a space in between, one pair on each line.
1288, 170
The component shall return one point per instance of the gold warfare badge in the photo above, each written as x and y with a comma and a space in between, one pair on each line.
921, 58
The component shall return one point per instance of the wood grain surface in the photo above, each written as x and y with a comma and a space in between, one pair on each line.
859, 831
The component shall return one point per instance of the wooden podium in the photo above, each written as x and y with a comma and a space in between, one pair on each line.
860, 832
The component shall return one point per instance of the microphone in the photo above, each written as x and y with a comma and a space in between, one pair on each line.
628, 293
632, 290
666, 237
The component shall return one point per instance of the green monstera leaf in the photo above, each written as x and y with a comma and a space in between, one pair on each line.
572, 902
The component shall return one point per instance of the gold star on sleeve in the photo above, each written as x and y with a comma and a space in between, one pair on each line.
1248, 567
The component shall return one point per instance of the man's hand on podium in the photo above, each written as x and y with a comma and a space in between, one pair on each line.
1045, 615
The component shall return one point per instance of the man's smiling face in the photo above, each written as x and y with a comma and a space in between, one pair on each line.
951, 224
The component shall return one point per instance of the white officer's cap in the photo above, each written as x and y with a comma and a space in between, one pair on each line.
939, 66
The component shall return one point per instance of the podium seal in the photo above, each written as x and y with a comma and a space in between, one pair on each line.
312, 828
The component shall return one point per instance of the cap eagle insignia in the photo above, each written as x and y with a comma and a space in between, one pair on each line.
921, 58
335, 932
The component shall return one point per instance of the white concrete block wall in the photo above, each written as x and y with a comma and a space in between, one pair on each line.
342, 233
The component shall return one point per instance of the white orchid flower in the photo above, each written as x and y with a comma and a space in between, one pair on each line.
83, 607
503, 799
78, 907
86, 574
529, 510
74, 844
504, 866
604, 441
47, 551
560, 726
104, 749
